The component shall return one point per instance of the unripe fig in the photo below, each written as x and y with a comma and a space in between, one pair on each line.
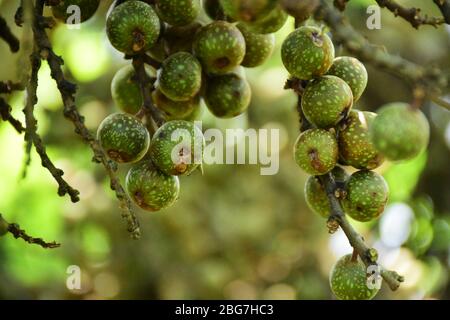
367, 195
176, 110
355, 146
123, 138
228, 95
307, 53
87, 8
316, 196
220, 47
133, 27
326, 101
353, 72
151, 189
178, 12
180, 78
400, 132
348, 280
177, 147
247, 10
259, 47
316, 151
300, 10
273, 22
125, 90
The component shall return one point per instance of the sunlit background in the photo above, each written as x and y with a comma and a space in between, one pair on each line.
233, 234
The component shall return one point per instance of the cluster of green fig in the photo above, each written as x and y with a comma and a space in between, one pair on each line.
198, 61
201, 58
341, 135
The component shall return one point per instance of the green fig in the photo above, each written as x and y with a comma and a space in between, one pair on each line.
178, 12
151, 189
348, 280
176, 110
367, 195
353, 72
259, 47
400, 132
123, 137
326, 101
316, 151
307, 53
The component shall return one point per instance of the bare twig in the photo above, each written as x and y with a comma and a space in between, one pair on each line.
8, 36
9, 86
15, 230
5, 114
412, 15
146, 84
68, 90
433, 80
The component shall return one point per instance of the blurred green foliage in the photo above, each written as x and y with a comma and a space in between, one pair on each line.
234, 233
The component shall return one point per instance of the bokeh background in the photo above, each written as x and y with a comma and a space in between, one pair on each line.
233, 234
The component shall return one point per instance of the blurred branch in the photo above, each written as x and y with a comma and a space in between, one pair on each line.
412, 15
441, 102
9, 86
67, 91
8, 36
15, 230
5, 114
444, 6
432, 79
146, 84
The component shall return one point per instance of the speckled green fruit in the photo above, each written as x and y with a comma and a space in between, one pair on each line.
123, 138
367, 194
178, 12
214, 10
400, 132
355, 147
220, 47
348, 280
307, 53
326, 101
133, 27
3, 226
352, 71
259, 47
125, 91
177, 147
87, 9
316, 196
180, 78
316, 151
273, 22
151, 189
175, 110
228, 95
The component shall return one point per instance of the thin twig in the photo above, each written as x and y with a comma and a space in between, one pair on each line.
15, 230
8, 36
67, 91
5, 114
146, 84
412, 15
